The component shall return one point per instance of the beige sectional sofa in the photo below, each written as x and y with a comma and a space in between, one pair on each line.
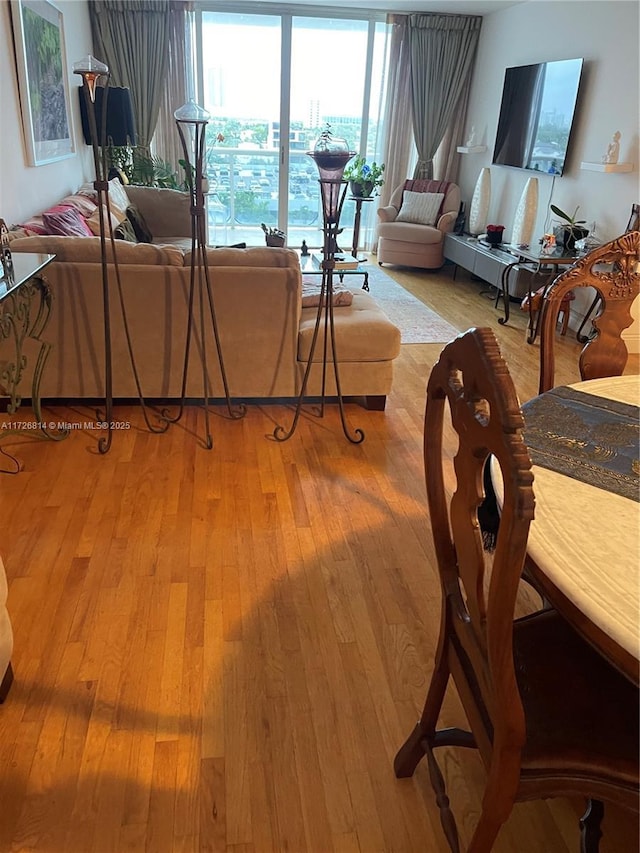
264, 330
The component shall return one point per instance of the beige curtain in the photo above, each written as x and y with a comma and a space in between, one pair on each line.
443, 50
180, 85
446, 161
132, 37
398, 135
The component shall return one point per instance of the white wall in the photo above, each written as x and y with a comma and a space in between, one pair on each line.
25, 190
605, 34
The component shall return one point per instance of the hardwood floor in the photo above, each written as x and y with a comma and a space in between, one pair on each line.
223, 650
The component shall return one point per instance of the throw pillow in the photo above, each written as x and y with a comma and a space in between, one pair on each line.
140, 227
34, 225
88, 190
82, 203
125, 231
342, 296
93, 221
420, 208
118, 194
65, 221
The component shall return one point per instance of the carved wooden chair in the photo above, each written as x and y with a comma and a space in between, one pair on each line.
605, 353
548, 715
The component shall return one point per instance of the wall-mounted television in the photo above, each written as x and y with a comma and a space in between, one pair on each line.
536, 115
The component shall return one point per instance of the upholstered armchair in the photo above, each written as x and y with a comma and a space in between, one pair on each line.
412, 226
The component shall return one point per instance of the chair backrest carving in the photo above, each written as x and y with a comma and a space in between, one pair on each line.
605, 353
472, 379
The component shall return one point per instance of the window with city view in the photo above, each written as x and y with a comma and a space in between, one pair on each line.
268, 105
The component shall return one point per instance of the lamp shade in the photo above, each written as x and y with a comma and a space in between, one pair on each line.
120, 125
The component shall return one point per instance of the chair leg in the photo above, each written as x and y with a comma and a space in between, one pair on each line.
590, 832
424, 738
485, 834
7, 681
414, 748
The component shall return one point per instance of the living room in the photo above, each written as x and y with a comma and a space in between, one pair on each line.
225, 650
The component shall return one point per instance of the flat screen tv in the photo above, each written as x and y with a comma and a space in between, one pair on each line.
536, 115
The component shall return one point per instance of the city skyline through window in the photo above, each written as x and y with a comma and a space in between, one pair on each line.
271, 83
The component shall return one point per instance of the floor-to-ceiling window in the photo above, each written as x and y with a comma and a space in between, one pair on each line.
272, 81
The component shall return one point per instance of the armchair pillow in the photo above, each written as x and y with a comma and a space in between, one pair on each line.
420, 208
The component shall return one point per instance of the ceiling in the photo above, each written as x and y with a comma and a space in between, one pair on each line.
460, 7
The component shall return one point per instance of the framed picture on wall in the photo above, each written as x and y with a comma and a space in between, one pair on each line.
41, 63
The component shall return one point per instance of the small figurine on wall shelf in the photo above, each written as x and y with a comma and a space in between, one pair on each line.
613, 151
304, 249
471, 141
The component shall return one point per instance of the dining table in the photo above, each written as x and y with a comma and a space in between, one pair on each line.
583, 551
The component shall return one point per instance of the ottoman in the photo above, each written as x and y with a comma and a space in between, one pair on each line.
367, 343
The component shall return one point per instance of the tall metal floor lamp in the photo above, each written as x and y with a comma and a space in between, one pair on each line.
191, 121
331, 155
92, 71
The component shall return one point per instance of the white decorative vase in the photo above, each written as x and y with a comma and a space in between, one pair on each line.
479, 210
526, 212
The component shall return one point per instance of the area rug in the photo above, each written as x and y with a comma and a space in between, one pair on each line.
417, 323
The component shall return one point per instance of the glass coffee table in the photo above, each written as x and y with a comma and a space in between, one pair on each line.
311, 264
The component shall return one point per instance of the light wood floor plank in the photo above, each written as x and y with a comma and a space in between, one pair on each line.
222, 651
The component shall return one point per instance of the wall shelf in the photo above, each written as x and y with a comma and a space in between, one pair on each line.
607, 167
473, 149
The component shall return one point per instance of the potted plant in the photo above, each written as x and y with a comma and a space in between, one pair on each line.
364, 178
571, 229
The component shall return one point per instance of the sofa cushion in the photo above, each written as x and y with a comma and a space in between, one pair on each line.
87, 250
182, 243
165, 211
420, 208
363, 332
254, 256
409, 232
